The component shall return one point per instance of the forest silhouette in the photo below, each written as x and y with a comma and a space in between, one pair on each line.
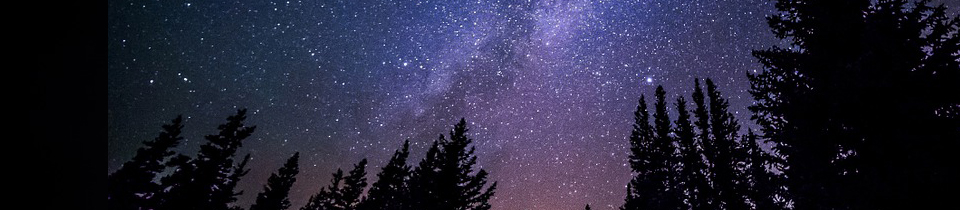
861, 110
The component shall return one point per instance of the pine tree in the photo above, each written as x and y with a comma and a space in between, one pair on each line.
423, 180
390, 191
274, 195
708, 196
132, 186
725, 155
343, 193
225, 194
641, 191
208, 181
691, 174
326, 198
826, 102
654, 160
445, 178
763, 186
587, 207
665, 158
354, 185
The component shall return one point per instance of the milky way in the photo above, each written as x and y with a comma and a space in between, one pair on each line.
548, 87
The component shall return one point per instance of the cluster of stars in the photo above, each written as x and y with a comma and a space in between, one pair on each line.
548, 87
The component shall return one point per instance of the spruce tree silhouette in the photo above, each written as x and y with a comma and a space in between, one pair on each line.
587, 207
827, 103
343, 193
132, 186
325, 198
226, 195
723, 128
208, 181
355, 183
708, 198
423, 179
390, 191
762, 186
653, 159
691, 173
641, 191
445, 179
665, 158
274, 195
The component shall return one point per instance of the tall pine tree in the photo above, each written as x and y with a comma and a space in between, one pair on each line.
133, 186
827, 102
343, 193
274, 195
665, 159
723, 127
390, 191
763, 186
708, 197
208, 181
641, 191
445, 178
653, 159
692, 171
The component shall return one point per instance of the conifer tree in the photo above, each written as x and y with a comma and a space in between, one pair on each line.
708, 196
641, 191
665, 158
343, 193
826, 102
445, 178
653, 159
326, 198
424, 178
390, 191
355, 183
208, 181
274, 195
725, 159
587, 207
132, 186
763, 186
691, 173
226, 194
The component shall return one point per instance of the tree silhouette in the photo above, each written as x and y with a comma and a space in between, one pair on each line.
325, 199
665, 157
208, 181
445, 178
641, 191
654, 160
226, 194
390, 191
423, 180
827, 102
132, 186
343, 193
723, 128
587, 207
708, 197
692, 171
763, 187
274, 195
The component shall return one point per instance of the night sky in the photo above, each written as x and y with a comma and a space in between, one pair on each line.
547, 87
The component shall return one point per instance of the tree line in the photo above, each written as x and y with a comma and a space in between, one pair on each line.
861, 108
698, 161
444, 178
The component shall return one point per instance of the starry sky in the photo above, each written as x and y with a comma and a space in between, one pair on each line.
547, 87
